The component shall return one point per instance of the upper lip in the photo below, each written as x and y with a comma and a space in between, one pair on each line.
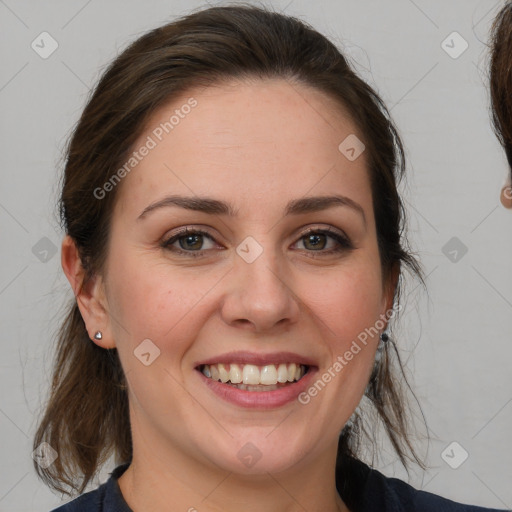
257, 359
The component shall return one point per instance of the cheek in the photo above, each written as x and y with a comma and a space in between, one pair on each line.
149, 299
143, 293
348, 302
348, 307
143, 303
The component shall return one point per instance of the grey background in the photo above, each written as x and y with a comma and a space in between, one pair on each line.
456, 339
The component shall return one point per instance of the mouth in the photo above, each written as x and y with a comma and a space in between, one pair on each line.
255, 378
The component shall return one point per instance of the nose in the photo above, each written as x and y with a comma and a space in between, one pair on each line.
260, 295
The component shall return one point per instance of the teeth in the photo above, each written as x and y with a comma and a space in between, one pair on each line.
223, 373
235, 373
268, 375
282, 373
291, 372
249, 376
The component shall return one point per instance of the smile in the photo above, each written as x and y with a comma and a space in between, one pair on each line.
250, 377
261, 381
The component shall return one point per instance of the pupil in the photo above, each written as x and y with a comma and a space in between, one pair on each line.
193, 239
315, 240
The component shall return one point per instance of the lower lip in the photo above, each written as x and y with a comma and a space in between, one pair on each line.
259, 399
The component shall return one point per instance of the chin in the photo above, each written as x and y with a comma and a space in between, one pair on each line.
259, 454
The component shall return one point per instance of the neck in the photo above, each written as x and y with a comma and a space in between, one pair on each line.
159, 476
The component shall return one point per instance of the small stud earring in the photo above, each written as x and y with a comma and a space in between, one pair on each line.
98, 335
384, 337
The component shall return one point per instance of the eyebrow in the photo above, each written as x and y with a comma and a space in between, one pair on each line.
216, 207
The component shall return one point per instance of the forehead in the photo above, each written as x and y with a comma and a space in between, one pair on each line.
260, 141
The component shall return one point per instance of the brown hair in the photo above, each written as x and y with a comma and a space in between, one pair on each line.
86, 419
501, 78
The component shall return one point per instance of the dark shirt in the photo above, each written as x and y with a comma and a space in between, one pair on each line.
370, 491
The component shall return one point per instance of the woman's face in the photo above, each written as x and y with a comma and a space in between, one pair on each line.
263, 285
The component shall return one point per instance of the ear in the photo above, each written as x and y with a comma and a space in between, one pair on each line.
90, 295
506, 196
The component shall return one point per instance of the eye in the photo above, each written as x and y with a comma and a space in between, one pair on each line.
324, 242
317, 240
190, 242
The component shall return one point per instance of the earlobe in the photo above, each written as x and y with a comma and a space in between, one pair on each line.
89, 295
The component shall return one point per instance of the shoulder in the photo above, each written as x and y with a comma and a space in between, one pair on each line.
89, 502
106, 498
422, 501
367, 490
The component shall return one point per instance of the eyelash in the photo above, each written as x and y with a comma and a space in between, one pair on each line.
344, 243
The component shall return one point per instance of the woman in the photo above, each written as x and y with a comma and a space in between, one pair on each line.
234, 246
501, 89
